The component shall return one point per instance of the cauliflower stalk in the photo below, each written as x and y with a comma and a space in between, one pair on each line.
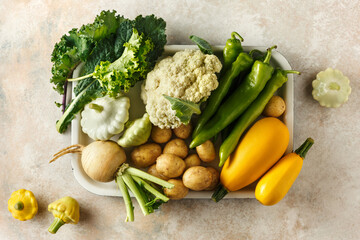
189, 75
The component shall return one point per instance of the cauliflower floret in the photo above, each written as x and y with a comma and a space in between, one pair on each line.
188, 75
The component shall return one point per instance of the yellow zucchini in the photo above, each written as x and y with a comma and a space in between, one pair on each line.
262, 146
274, 185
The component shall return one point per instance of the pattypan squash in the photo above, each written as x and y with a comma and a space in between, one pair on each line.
137, 133
105, 117
331, 88
65, 210
23, 205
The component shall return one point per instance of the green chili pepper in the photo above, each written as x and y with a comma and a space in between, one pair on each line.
231, 50
242, 63
238, 101
252, 113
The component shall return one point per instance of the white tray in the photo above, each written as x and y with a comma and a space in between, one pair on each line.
111, 189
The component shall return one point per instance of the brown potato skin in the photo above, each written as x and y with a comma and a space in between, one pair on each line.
159, 135
206, 151
197, 178
177, 147
145, 155
178, 192
275, 107
170, 165
183, 131
152, 170
192, 160
215, 177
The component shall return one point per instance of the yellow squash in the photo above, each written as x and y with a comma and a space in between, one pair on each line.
65, 210
262, 146
23, 205
274, 185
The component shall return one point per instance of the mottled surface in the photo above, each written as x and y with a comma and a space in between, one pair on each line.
324, 202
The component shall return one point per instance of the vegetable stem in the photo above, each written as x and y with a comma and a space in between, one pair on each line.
96, 107
56, 224
138, 173
144, 195
268, 55
304, 148
152, 190
19, 206
134, 189
219, 193
64, 97
128, 203
234, 34
80, 78
291, 71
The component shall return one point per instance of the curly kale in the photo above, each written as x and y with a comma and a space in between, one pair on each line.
117, 62
76, 46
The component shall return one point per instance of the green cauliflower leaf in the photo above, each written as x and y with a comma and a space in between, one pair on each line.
184, 109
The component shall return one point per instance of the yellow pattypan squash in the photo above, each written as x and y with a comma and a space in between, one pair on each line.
65, 210
23, 205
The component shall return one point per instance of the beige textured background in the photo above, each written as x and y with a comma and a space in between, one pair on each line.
324, 203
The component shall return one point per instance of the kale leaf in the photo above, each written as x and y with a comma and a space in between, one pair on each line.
117, 62
76, 46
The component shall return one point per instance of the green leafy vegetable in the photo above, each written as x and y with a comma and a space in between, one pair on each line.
117, 62
76, 46
131, 67
154, 29
184, 109
203, 45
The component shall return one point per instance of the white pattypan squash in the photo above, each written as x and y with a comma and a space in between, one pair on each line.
105, 117
331, 88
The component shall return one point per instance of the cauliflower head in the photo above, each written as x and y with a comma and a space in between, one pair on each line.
189, 75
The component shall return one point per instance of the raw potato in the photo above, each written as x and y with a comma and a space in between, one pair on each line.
183, 131
152, 170
275, 107
197, 178
145, 155
177, 147
170, 165
206, 151
215, 177
192, 161
159, 135
178, 192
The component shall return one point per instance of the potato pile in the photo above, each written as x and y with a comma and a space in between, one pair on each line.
168, 158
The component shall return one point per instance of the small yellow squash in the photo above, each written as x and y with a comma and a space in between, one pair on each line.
274, 185
23, 205
65, 210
